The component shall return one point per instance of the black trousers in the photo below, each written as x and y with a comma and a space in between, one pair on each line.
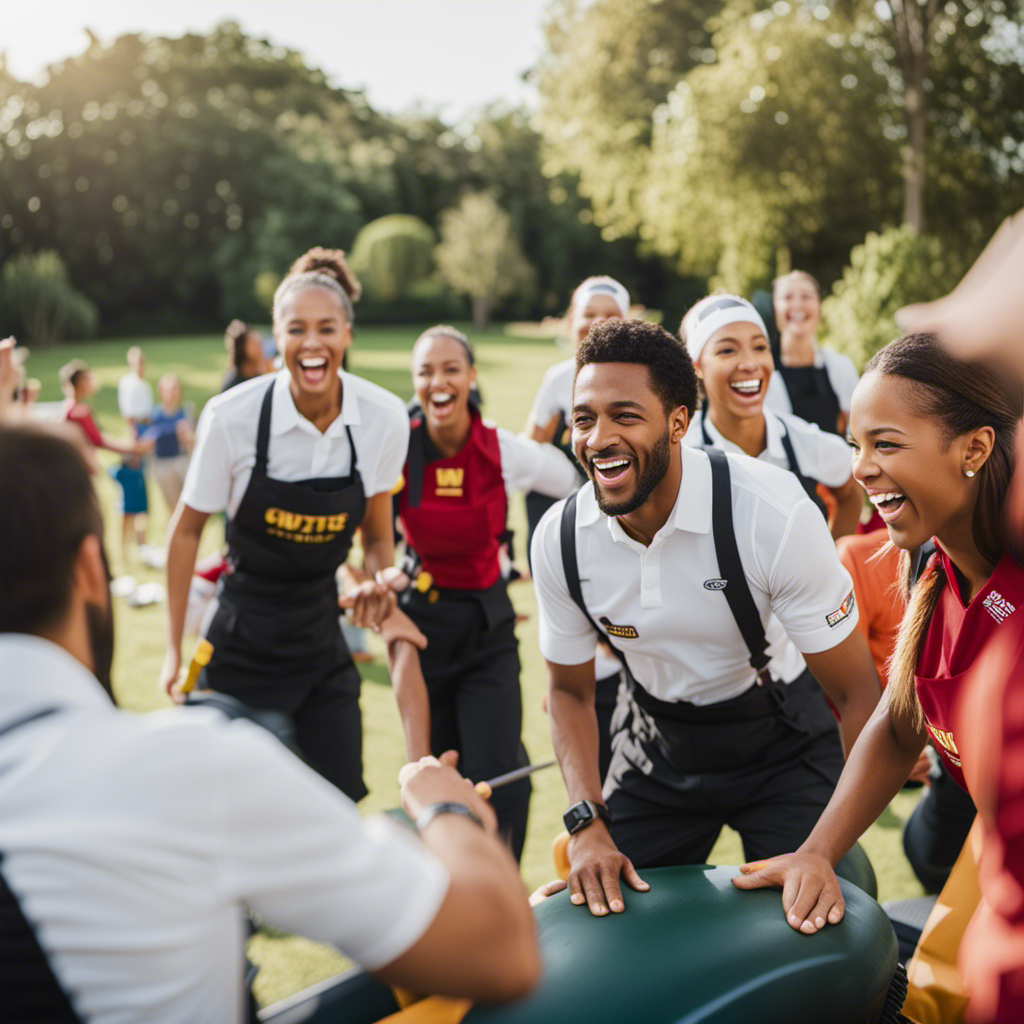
262, 662
765, 763
471, 667
936, 831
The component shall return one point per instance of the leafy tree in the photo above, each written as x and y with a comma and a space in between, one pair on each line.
39, 302
392, 254
479, 255
889, 270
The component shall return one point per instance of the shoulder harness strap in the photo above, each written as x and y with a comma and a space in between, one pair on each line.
809, 485
567, 536
737, 591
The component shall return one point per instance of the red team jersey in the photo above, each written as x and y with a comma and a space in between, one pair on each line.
457, 526
957, 634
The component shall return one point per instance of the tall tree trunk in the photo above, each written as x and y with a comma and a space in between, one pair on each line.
481, 310
913, 25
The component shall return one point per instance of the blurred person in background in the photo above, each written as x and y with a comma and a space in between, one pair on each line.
170, 429
812, 382
728, 342
247, 357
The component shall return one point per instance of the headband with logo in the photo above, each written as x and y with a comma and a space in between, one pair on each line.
722, 310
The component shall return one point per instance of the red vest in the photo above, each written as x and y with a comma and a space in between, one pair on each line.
457, 525
955, 639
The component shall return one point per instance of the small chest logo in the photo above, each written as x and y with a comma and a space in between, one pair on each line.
842, 613
620, 632
448, 481
944, 738
997, 606
718, 584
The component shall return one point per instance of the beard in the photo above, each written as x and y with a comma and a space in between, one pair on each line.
654, 472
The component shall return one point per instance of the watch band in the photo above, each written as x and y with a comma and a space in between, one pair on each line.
428, 814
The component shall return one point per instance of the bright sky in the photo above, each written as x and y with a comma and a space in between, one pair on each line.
449, 55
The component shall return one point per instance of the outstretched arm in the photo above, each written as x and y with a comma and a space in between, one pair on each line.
879, 764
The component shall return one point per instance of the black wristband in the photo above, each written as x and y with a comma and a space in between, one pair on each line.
428, 814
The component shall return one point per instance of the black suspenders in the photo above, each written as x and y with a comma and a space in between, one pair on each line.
736, 589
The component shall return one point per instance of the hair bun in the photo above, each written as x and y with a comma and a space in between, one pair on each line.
332, 262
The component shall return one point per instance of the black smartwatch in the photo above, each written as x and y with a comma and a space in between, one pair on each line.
585, 813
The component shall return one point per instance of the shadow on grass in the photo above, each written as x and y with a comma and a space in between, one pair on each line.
889, 819
375, 672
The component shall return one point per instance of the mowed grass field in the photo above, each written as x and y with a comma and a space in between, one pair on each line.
511, 364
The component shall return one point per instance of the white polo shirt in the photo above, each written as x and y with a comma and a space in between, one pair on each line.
135, 397
555, 393
821, 456
842, 375
528, 465
134, 843
688, 646
225, 449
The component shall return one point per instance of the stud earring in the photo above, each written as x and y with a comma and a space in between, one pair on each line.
968, 472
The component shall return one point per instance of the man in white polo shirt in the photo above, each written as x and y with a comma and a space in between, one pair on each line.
133, 845
716, 579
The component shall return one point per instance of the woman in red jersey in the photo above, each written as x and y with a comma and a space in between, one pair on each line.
452, 510
933, 441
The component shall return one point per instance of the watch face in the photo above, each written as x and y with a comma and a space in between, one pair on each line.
578, 816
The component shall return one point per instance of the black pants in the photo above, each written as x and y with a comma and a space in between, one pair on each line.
261, 662
765, 763
471, 667
935, 832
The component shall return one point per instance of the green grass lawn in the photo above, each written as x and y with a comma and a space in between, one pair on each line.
510, 369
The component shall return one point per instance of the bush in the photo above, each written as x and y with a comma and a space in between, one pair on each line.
391, 255
39, 304
887, 271
428, 302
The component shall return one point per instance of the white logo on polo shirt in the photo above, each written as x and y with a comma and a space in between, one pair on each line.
718, 584
997, 606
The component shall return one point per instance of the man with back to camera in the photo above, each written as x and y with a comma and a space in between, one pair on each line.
727, 724
133, 845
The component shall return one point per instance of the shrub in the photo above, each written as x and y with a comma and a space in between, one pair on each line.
887, 271
39, 304
391, 255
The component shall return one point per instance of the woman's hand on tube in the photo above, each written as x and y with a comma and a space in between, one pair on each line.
811, 897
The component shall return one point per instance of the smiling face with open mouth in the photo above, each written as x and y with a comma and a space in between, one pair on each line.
735, 366
313, 332
797, 306
910, 468
620, 434
442, 377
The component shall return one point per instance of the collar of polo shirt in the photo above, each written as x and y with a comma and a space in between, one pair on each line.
691, 512
773, 435
284, 416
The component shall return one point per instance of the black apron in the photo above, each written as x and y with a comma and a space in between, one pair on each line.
811, 395
809, 485
276, 632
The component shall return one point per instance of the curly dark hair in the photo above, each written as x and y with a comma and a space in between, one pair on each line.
322, 268
669, 366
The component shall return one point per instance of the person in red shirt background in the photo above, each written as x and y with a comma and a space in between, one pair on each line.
933, 440
79, 385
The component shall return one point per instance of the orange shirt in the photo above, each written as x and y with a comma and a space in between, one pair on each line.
881, 605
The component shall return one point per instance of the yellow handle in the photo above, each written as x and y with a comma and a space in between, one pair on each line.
204, 651
483, 789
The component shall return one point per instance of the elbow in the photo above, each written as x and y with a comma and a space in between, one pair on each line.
515, 968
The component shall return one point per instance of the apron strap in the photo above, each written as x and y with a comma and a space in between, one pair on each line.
417, 462
809, 485
263, 430
353, 454
570, 565
705, 436
737, 590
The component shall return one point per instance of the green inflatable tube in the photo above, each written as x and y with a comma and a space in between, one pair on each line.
696, 949
693, 950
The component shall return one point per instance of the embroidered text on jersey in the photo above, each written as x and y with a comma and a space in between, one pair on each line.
448, 481
997, 606
843, 612
944, 738
621, 632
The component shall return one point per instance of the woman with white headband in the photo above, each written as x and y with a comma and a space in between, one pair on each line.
728, 343
595, 299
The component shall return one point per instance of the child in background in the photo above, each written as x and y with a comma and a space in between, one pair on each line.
171, 431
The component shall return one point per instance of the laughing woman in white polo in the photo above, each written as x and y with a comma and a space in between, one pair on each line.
716, 579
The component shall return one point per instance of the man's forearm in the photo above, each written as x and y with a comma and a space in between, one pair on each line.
574, 732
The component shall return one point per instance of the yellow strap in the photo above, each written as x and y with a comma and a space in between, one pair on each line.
432, 1010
